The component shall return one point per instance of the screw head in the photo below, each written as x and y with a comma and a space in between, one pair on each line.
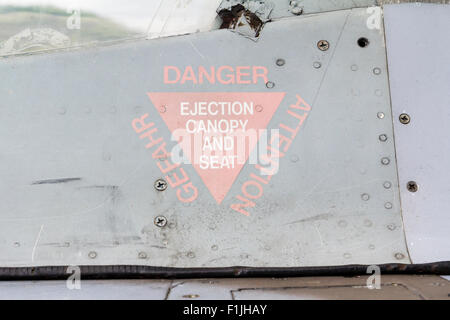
412, 186
280, 62
323, 45
270, 84
160, 185
160, 221
404, 118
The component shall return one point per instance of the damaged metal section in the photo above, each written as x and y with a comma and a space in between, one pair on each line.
295, 8
247, 17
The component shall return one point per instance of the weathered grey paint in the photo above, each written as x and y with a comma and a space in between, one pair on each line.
68, 115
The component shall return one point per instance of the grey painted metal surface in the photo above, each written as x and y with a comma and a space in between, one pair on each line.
419, 64
286, 8
69, 114
276, 9
392, 287
87, 290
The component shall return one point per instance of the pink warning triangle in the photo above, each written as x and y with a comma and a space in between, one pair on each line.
218, 130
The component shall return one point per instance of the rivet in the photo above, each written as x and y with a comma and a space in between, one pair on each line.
142, 255
365, 196
412, 186
259, 108
323, 45
380, 115
162, 109
280, 62
270, 84
404, 118
383, 137
17, 244
347, 255
317, 65
92, 254
385, 161
377, 71
387, 185
160, 185
399, 256
191, 255
160, 221
342, 223
388, 205
294, 158
371, 247
391, 227
214, 247
354, 67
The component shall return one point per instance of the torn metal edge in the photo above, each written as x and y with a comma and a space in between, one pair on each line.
148, 272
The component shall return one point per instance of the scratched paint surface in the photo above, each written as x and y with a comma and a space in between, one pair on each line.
78, 183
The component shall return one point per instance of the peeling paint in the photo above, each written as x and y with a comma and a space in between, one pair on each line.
245, 17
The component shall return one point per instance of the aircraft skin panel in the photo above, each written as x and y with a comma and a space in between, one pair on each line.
78, 182
419, 72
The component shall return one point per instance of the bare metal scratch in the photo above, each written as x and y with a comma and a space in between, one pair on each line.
55, 181
331, 59
196, 50
323, 216
36, 243
320, 235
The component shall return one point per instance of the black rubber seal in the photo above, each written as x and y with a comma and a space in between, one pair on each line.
147, 272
